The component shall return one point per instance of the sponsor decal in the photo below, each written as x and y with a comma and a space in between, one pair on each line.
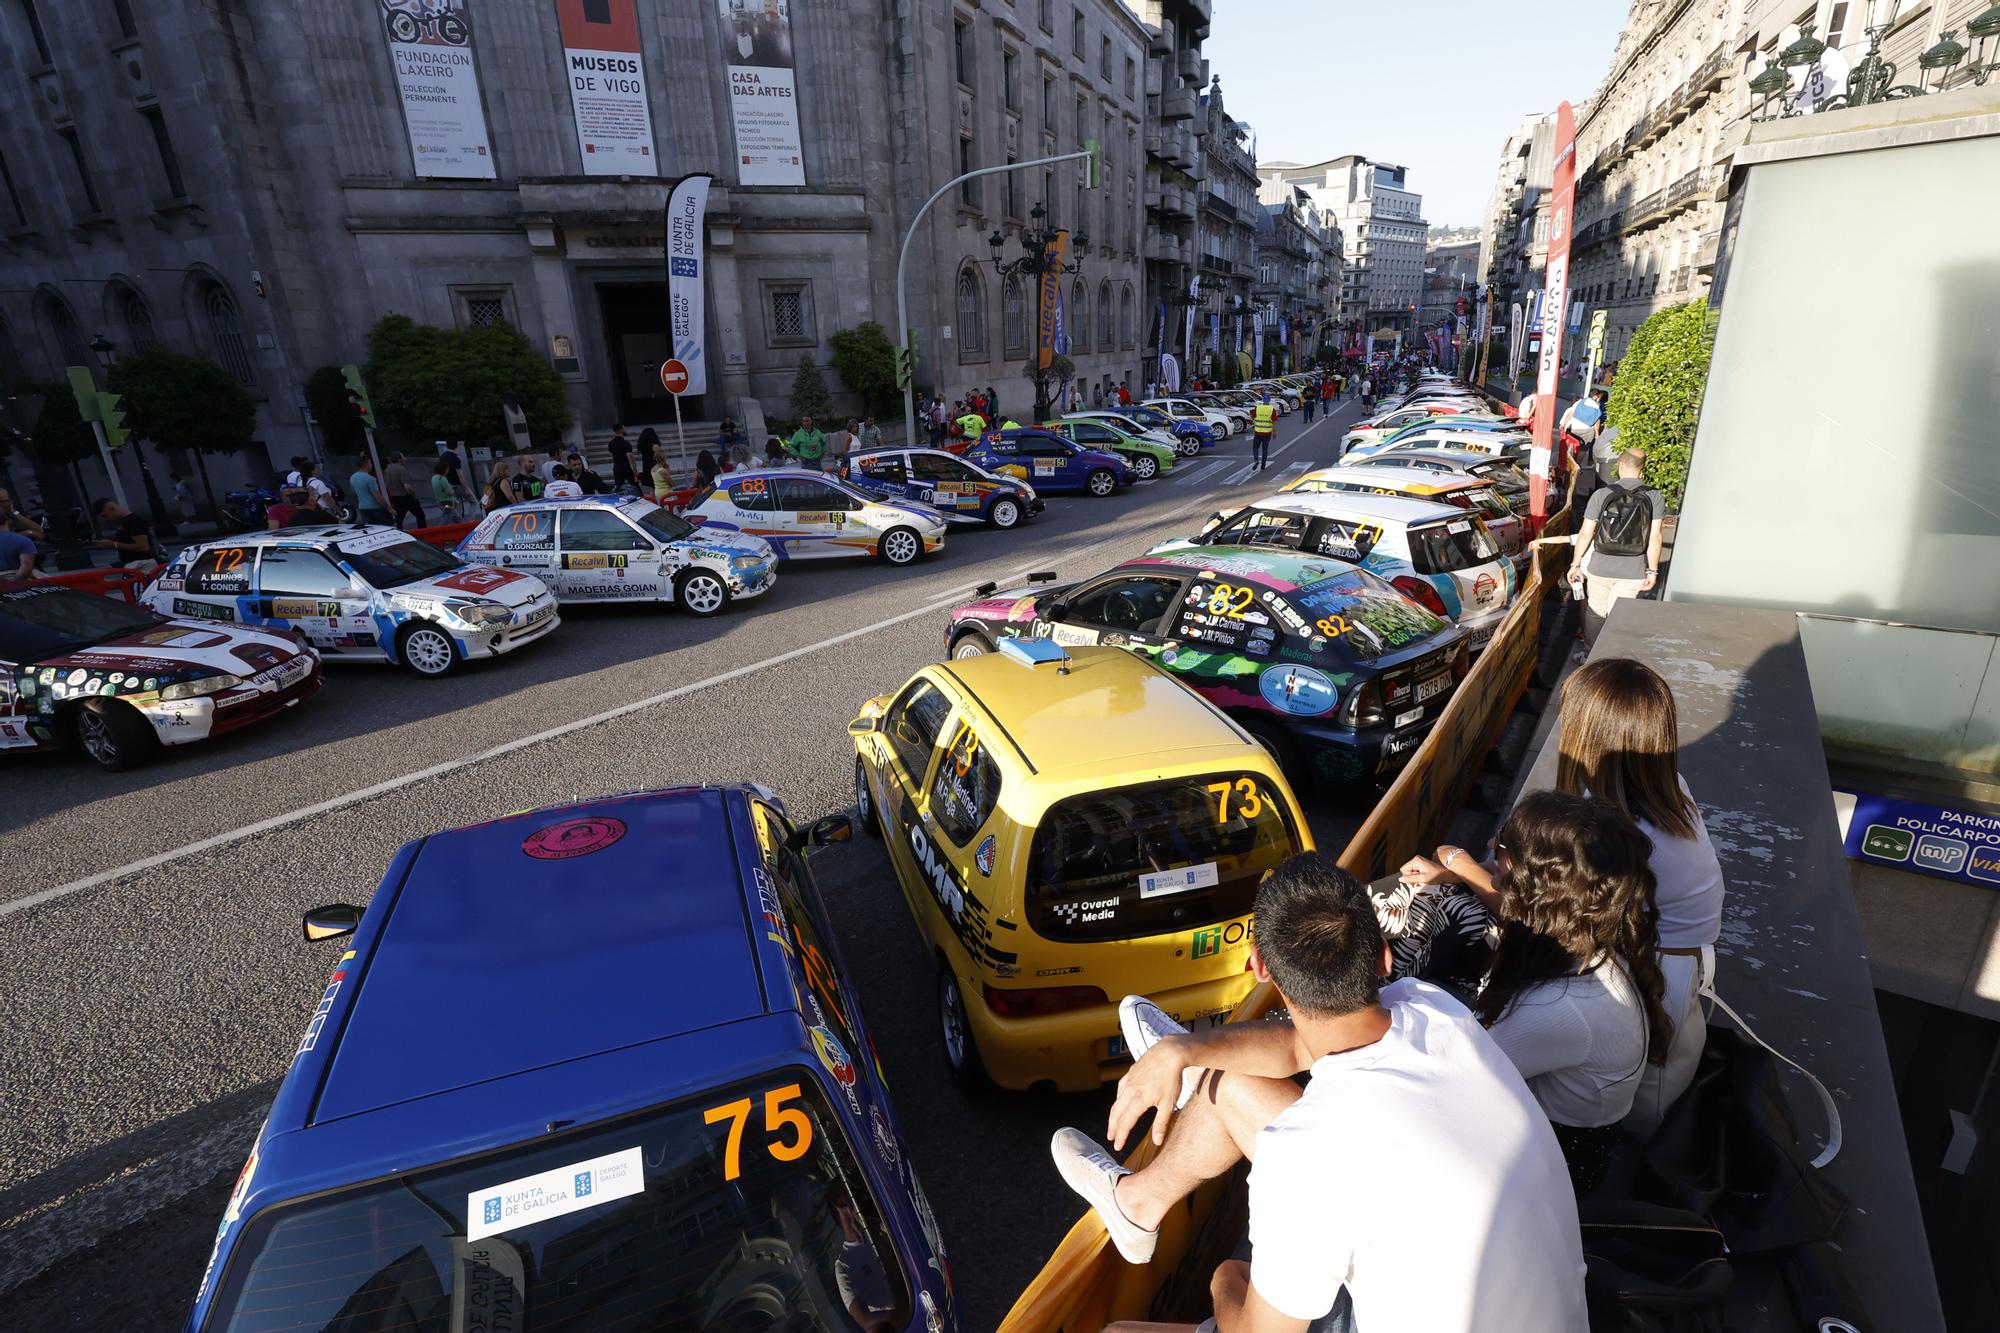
1301, 691
298, 608
325, 1005
595, 560
1159, 884
1087, 911
478, 578
886, 1146
573, 837
1214, 939
1484, 586
170, 584
554, 1193
833, 1055
983, 858
194, 610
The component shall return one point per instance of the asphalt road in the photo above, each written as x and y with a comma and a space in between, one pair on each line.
156, 984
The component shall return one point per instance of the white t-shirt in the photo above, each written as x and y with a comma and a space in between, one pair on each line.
1419, 1173
1690, 888
1581, 1044
562, 490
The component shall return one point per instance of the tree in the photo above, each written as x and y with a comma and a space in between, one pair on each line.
809, 395
60, 436
866, 362
339, 426
1656, 399
185, 403
429, 383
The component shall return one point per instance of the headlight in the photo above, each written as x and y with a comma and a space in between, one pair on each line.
200, 688
746, 563
484, 615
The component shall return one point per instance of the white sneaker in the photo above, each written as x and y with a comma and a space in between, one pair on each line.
1094, 1173
1144, 1024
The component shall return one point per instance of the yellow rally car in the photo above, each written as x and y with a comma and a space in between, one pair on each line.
1070, 827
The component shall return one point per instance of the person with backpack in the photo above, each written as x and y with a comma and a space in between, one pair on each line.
1618, 547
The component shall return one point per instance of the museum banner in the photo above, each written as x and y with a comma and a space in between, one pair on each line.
431, 46
763, 94
607, 86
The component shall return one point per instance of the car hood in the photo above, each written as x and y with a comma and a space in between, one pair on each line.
508, 587
717, 544
149, 658
1013, 606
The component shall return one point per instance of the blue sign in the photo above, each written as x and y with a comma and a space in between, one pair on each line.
1301, 691
1931, 839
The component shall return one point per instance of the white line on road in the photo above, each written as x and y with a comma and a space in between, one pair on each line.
1197, 472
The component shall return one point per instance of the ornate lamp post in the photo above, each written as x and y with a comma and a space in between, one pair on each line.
1038, 259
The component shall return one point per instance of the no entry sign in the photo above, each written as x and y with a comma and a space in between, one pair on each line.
674, 377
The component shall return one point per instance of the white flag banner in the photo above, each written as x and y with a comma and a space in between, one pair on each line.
686, 255
607, 86
763, 95
432, 50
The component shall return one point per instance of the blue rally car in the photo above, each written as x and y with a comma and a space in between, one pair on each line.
587, 1067
1050, 463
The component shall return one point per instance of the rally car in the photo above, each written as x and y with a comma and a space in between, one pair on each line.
962, 492
608, 549
1503, 474
1147, 458
1225, 419
1137, 824
1442, 488
1332, 667
811, 516
671, 1118
1050, 462
1187, 436
357, 593
119, 681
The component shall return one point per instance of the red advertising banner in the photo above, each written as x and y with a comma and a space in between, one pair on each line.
1562, 207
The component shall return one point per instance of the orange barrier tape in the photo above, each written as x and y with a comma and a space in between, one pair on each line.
120, 585
1085, 1284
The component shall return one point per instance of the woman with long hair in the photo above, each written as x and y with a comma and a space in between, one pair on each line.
1573, 995
500, 487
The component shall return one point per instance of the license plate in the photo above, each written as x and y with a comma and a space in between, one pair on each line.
1480, 638
1432, 688
293, 672
1117, 1050
537, 617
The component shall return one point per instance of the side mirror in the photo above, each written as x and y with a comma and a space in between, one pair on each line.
821, 833
864, 726
331, 922
1055, 613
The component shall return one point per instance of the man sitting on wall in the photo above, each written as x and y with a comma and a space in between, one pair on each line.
1413, 1185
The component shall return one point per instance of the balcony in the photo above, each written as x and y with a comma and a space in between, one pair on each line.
1165, 248
1177, 202
1162, 43
1191, 67
1217, 264
1663, 203
1181, 149
1214, 203
1177, 104
1156, 144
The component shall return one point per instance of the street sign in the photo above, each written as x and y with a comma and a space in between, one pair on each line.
674, 377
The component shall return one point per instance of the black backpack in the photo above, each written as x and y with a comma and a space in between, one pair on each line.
1625, 524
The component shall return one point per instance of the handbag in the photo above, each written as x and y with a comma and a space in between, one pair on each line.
1653, 1269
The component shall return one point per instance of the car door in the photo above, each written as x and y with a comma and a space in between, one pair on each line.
905, 748
219, 585
885, 474
1121, 610
819, 516
300, 587
960, 831
1094, 435
605, 558
525, 540
752, 507
1050, 461
947, 483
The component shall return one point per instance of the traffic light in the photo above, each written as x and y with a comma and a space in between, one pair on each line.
1093, 166
111, 411
357, 396
906, 365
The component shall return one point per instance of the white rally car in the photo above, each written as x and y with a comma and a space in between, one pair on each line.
371, 594
601, 548
811, 516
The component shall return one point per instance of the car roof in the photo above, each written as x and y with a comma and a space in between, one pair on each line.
1402, 509
576, 501
730, 478
311, 534
494, 959
1389, 476
1465, 456
1110, 705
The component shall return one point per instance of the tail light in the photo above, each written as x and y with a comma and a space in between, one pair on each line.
1041, 1001
1363, 707
1420, 592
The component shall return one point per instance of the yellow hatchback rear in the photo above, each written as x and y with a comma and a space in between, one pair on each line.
1069, 827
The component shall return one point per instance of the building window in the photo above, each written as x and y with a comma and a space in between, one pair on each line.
961, 51
35, 31
1131, 77
481, 308
62, 327
968, 193
1104, 313
1049, 196
82, 171
1048, 16
1104, 58
1010, 79
127, 27
971, 313
1013, 179
1076, 34
788, 310
138, 322
1082, 212
169, 161
14, 207
1014, 317
225, 334
1079, 318
1048, 106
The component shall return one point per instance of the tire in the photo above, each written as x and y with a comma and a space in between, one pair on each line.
970, 644
961, 1052
426, 650
1187, 446
113, 735
900, 546
1144, 466
864, 804
1004, 513
701, 592
1101, 483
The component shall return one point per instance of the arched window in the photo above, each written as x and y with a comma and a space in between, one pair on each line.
1014, 316
138, 322
225, 334
1104, 314
62, 328
971, 312
1079, 318
1127, 310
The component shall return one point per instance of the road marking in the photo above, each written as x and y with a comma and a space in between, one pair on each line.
1199, 471
1298, 469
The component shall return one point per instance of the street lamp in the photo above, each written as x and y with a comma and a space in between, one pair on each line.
1037, 261
107, 356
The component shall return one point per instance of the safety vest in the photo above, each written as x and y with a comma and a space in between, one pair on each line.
972, 424
1267, 418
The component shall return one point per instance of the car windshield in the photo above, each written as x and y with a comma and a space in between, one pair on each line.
1378, 618
665, 524
1501, 472
1441, 548
740, 1209
1147, 416
396, 562
1104, 864
39, 622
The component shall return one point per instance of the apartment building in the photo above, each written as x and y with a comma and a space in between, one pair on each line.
1383, 229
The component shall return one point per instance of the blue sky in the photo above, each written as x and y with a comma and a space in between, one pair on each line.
1434, 85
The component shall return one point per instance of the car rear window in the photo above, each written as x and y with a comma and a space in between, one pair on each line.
1372, 617
741, 1208
1441, 548
1154, 858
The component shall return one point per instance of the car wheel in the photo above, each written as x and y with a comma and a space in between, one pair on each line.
1144, 466
901, 546
1101, 483
1005, 513
427, 650
971, 644
113, 735
1186, 446
701, 592
864, 802
961, 1053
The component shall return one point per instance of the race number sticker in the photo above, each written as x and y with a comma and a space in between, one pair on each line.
556, 1193
1185, 880
1047, 467
595, 560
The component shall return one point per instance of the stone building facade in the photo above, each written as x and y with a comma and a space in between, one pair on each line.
1298, 267
1176, 77
1383, 229
1226, 226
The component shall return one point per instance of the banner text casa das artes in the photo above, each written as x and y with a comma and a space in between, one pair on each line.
431, 46
687, 317
607, 86
763, 94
